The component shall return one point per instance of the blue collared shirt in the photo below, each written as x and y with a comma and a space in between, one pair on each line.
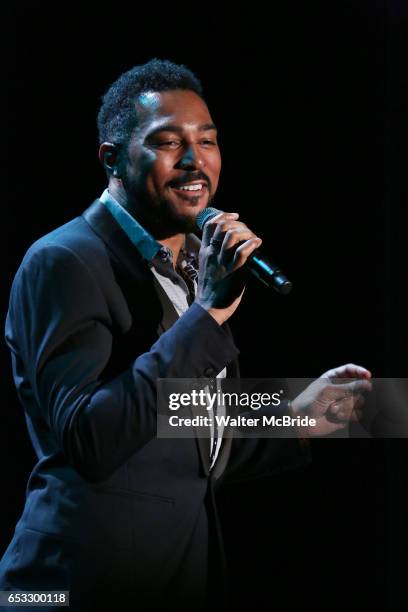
159, 257
147, 246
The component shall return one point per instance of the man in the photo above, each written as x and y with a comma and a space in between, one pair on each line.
100, 309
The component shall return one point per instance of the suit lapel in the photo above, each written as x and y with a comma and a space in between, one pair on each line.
124, 253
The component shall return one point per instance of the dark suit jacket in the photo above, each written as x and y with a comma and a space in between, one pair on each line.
111, 509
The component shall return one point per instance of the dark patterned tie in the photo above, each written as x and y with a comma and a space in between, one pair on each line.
188, 268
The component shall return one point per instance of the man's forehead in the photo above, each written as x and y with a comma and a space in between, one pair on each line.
149, 101
184, 106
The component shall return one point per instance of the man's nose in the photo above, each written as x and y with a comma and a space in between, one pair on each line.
190, 159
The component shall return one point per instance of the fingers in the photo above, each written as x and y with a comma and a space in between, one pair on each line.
220, 283
244, 251
230, 232
353, 387
227, 234
347, 408
237, 233
342, 410
340, 403
212, 226
346, 391
226, 229
357, 413
350, 370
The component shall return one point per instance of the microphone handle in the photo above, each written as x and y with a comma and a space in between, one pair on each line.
268, 273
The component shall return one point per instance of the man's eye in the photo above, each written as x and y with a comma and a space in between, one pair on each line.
170, 144
175, 144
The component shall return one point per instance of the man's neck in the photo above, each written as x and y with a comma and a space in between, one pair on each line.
117, 191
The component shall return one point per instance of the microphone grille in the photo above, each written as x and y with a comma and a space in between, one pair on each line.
205, 215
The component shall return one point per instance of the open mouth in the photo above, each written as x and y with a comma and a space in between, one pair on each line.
189, 190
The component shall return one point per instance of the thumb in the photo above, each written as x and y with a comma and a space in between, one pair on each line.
354, 387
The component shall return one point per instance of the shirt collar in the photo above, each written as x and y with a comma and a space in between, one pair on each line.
147, 246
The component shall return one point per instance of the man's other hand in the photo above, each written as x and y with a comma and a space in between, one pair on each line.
333, 400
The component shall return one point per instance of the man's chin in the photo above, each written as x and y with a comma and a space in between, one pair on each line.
179, 223
168, 217
183, 219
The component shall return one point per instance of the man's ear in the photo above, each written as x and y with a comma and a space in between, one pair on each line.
108, 156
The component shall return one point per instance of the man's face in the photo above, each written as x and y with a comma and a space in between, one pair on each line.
173, 161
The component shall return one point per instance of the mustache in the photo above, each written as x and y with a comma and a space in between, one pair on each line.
188, 177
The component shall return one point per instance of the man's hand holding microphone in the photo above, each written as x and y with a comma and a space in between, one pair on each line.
221, 279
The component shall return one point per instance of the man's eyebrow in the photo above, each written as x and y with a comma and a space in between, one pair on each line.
204, 127
170, 127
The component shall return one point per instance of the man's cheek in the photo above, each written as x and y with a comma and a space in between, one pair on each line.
148, 157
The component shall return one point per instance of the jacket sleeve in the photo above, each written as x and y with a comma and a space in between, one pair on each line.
59, 329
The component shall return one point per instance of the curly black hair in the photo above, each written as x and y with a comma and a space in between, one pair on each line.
117, 116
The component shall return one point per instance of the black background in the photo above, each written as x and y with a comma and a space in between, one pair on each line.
310, 99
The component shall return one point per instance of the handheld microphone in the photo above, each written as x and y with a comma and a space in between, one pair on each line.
258, 264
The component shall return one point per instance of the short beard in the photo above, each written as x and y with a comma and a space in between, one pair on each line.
161, 221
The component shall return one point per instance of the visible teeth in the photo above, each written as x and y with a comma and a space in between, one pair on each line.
191, 187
